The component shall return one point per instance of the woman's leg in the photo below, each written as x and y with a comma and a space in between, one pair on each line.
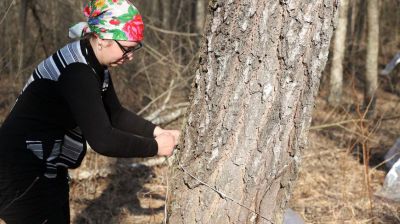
41, 200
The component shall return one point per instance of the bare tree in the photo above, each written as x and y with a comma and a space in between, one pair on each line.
339, 48
252, 97
166, 7
371, 82
200, 15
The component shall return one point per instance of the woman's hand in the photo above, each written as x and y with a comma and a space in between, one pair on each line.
166, 143
163, 140
175, 133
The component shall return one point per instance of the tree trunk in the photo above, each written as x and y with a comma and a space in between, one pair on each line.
357, 30
252, 97
339, 47
200, 15
166, 12
371, 75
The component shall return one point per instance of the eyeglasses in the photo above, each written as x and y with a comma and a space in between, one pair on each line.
127, 50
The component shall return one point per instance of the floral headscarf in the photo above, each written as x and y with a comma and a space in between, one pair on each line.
111, 19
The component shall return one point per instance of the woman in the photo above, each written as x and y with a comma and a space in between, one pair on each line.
68, 100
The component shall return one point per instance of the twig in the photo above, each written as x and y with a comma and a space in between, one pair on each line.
144, 68
385, 161
169, 117
366, 151
166, 100
151, 162
177, 107
356, 133
336, 124
339, 124
157, 55
8, 9
390, 118
172, 32
157, 98
162, 94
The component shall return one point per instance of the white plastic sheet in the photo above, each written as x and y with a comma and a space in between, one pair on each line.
391, 186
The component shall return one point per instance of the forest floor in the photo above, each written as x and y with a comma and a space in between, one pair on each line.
331, 185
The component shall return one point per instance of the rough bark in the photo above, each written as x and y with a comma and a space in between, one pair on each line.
339, 47
371, 75
252, 98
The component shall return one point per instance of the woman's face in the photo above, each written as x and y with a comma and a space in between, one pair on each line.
116, 53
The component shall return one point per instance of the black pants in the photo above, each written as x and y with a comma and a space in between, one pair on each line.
35, 200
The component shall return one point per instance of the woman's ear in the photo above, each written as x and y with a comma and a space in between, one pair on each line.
99, 43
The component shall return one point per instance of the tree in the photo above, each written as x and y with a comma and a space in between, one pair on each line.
339, 47
200, 14
371, 75
253, 93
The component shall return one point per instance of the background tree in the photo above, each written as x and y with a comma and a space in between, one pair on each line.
338, 51
371, 74
253, 94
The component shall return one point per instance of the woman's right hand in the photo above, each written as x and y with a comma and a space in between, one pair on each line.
166, 143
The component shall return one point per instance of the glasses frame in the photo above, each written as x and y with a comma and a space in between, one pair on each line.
125, 51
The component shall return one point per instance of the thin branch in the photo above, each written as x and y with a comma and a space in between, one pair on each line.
169, 117
160, 57
164, 93
172, 32
336, 124
390, 118
162, 108
358, 134
385, 161
8, 9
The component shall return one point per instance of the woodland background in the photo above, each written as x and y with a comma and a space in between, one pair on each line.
341, 170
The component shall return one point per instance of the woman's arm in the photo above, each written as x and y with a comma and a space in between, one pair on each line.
124, 119
81, 90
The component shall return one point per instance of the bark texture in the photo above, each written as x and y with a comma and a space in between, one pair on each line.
339, 48
253, 94
371, 81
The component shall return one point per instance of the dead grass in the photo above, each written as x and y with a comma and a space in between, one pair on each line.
331, 186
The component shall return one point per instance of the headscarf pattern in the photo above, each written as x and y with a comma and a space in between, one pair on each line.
110, 19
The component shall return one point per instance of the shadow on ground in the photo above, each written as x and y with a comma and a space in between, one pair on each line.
121, 196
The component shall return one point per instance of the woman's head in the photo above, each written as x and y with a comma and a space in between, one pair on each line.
116, 29
114, 19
